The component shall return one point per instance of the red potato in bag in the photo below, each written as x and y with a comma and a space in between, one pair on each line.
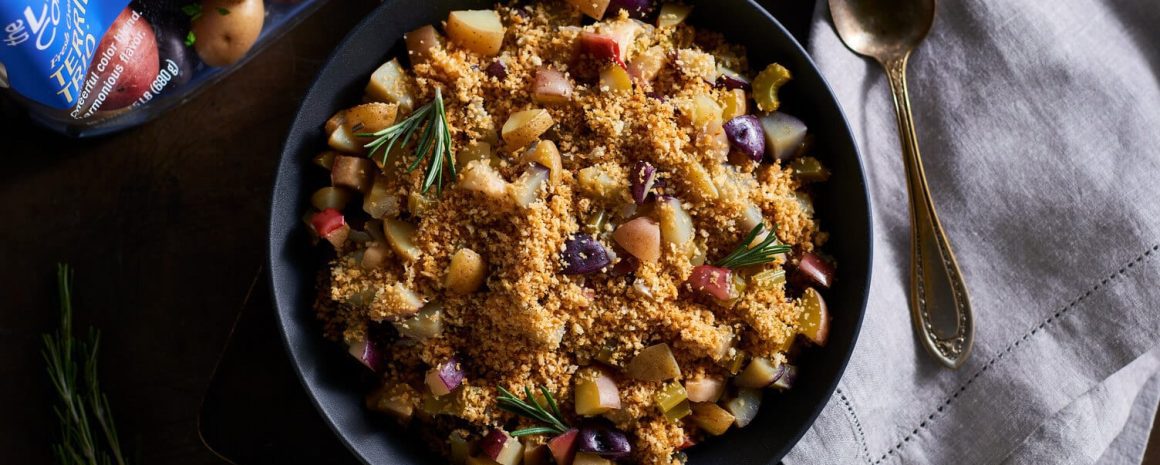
123, 67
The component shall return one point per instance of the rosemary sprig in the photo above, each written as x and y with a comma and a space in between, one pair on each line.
88, 434
429, 123
552, 419
764, 252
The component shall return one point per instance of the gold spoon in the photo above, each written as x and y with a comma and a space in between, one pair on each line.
887, 31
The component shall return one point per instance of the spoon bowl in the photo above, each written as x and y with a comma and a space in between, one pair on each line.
882, 29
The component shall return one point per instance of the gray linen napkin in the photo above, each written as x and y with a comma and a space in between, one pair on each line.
1039, 123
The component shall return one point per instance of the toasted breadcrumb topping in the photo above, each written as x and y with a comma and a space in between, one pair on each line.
531, 325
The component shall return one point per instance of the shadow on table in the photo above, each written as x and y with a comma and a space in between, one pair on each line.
255, 409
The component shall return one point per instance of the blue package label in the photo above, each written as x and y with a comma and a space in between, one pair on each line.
46, 46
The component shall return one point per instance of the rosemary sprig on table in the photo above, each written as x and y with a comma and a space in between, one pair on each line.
88, 435
429, 122
552, 419
764, 252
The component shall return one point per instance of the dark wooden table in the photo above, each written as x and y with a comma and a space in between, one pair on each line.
166, 227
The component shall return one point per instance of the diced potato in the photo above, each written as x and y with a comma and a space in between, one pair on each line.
551, 87
675, 223
593, 8
624, 33
374, 256
783, 134
614, 78
706, 389
649, 63
697, 64
805, 203
421, 43
758, 374
477, 30
325, 159
511, 452
587, 458
701, 182
814, 322
751, 216
342, 140
476, 150
330, 197
426, 324
734, 104
382, 200
744, 407
536, 454
400, 300
641, 237
715, 142
334, 121
595, 181
419, 204
595, 393
466, 273
706, 111
480, 461
401, 236
654, 363
673, 14
389, 83
711, 418
524, 127
480, 177
393, 399
546, 154
369, 118
526, 190
602, 47
352, 172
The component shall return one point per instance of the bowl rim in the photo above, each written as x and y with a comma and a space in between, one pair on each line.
829, 388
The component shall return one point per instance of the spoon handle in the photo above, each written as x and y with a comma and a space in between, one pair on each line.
939, 306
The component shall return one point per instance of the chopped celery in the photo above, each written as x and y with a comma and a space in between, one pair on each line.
760, 373
766, 85
670, 396
441, 405
768, 279
682, 410
460, 447
605, 354
809, 169
736, 362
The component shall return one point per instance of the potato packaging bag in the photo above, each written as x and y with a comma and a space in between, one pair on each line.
91, 67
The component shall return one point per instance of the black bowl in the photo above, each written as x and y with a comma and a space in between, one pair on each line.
337, 383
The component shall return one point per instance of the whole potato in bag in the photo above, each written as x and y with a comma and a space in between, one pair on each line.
226, 29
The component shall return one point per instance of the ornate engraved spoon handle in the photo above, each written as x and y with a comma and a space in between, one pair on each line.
939, 305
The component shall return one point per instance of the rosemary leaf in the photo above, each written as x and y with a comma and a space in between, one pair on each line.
533, 430
433, 145
88, 435
764, 252
553, 421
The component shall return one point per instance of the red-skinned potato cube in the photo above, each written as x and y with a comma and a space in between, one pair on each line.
329, 224
813, 270
601, 46
563, 447
713, 280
